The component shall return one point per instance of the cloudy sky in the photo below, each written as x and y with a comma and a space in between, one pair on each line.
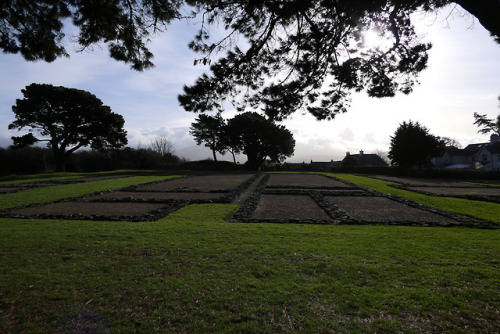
463, 77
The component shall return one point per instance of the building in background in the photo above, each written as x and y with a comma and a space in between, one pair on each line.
483, 156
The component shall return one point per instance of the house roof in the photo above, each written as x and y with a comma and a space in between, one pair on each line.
369, 160
471, 149
474, 148
455, 151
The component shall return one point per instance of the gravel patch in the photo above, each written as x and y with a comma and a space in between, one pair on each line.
457, 191
205, 183
422, 182
310, 181
145, 196
89, 210
288, 207
307, 191
380, 209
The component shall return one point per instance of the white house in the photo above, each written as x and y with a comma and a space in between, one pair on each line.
485, 156
489, 157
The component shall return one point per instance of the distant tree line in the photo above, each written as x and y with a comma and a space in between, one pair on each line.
37, 159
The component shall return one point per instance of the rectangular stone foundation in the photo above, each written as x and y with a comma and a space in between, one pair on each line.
284, 207
204, 183
381, 209
137, 195
303, 180
87, 209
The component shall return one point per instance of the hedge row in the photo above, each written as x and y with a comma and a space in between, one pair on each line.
37, 160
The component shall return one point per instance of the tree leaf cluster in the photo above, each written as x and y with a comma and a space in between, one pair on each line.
35, 28
308, 54
259, 138
413, 145
311, 54
486, 124
281, 56
250, 133
66, 118
209, 130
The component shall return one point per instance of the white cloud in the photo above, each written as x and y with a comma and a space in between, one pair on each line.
347, 134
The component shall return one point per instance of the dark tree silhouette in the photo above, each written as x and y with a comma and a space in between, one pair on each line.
67, 119
259, 138
300, 54
486, 124
312, 55
451, 142
413, 145
230, 143
35, 28
209, 130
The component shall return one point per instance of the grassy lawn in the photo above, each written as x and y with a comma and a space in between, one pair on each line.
194, 272
478, 209
10, 179
28, 179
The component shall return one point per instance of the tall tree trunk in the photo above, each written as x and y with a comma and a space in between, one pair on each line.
59, 157
60, 162
215, 156
254, 161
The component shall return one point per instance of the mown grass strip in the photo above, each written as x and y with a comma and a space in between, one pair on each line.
25, 178
37, 178
193, 272
54, 193
483, 184
478, 209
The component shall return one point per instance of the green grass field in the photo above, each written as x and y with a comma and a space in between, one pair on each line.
194, 272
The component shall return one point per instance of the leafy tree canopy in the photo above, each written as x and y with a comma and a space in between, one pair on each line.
259, 138
311, 54
294, 54
35, 28
209, 130
67, 119
413, 145
486, 124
